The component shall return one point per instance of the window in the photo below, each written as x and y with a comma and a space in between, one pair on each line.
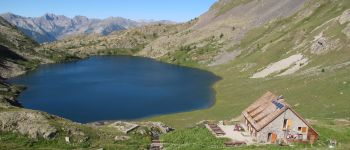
289, 124
303, 129
300, 136
285, 123
299, 129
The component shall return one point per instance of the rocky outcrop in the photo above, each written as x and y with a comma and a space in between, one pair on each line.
33, 124
322, 45
143, 128
345, 17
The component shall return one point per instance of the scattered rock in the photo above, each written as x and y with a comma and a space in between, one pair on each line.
75, 134
158, 127
121, 138
33, 124
83, 139
141, 131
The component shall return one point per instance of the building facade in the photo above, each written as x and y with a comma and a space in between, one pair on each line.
271, 120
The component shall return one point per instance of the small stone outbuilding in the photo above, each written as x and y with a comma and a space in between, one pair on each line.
271, 120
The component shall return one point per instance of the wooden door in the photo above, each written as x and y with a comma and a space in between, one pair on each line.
273, 137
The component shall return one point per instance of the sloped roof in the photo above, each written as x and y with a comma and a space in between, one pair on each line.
266, 109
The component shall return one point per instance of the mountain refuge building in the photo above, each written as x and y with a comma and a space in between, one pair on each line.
271, 120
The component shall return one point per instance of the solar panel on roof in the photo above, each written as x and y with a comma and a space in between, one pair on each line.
277, 104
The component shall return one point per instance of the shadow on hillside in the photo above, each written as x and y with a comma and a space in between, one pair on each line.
7, 55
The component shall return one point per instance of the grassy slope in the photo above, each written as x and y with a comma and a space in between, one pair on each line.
17, 141
322, 96
200, 138
236, 90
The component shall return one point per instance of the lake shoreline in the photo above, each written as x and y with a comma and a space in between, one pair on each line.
155, 60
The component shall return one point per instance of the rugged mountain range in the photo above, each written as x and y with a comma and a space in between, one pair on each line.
18, 54
51, 27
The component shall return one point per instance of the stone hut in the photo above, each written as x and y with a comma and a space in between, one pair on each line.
271, 120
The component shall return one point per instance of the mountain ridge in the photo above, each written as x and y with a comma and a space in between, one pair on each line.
51, 27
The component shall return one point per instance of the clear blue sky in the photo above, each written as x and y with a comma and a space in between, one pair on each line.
175, 10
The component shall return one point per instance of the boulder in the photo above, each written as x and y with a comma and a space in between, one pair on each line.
124, 127
158, 127
121, 138
67, 139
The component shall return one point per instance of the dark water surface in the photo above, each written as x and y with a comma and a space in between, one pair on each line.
115, 88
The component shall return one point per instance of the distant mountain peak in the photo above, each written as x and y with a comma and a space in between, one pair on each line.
51, 27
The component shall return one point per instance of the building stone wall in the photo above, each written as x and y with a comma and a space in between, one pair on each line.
276, 126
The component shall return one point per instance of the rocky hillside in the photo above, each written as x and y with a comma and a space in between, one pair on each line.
15, 49
18, 52
51, 27
222, 28
120, 42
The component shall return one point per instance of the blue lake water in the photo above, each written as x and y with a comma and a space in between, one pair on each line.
115, 88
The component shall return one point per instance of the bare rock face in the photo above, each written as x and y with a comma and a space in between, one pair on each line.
33, 124
345, 17
346, 31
